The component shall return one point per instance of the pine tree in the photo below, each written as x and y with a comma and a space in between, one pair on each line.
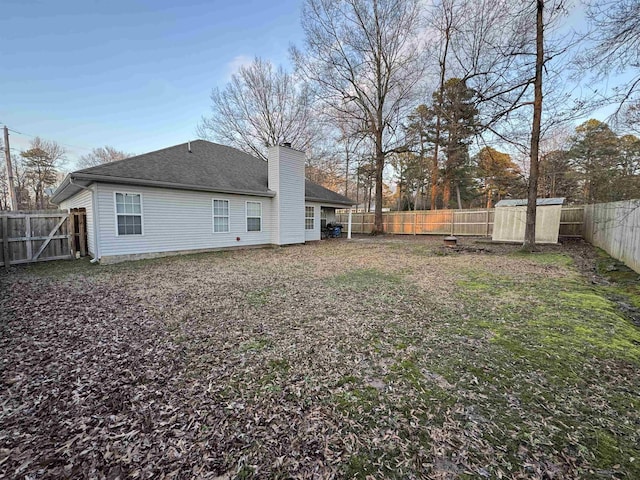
458, 114
594, 156
499, 176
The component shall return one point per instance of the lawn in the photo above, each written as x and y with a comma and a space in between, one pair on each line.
372, 358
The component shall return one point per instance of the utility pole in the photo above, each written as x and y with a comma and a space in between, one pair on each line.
7, 156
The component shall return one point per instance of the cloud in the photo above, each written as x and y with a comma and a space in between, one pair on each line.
236, 62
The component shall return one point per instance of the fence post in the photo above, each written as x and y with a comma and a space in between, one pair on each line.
453, 216
5, 241
27, 234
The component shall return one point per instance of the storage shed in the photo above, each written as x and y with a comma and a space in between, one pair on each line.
511, 218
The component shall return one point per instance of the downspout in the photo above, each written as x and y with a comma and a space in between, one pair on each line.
94, 209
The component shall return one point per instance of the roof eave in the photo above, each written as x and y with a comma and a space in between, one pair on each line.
156, 183
328, 202
67, 189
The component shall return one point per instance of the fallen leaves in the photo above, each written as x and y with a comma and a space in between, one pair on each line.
332, 360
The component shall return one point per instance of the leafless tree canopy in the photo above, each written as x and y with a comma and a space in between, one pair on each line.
616, 46
101, 155
260, 107
631, 117
364, 59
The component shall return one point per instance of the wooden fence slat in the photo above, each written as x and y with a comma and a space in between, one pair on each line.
27, 234
72, 234
5, 242
36, 239
83, 238
60, 257
32, 215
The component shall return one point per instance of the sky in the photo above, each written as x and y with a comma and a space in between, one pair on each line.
132, 74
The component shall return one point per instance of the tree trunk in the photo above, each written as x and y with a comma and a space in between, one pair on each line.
458, 196
436, 142
446, 193
377, 224
346, 175
530, 228
434, 174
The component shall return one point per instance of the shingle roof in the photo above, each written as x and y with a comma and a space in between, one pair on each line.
522, 202
208, 166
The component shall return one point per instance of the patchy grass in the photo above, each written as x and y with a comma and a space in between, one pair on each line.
380, 357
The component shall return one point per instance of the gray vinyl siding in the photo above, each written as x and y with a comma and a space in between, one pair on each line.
310, 235
83, 199
178, 220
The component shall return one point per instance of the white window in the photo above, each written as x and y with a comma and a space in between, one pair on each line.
220, 216
254, 216
308, 218
128, 213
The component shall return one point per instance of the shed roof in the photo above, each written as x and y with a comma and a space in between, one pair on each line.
206, 166
522, 202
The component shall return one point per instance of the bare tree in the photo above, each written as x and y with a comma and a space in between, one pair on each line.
101, 155
260, 107
615, 47
532, 196
446, 15
364, 60
42, 161
505, 61
4, 190
631, 117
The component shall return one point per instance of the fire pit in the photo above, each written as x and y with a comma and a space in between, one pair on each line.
450, 241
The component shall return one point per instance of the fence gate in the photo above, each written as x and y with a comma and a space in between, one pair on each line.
34, 236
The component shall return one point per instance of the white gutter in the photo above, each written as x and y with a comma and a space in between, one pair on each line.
94, 212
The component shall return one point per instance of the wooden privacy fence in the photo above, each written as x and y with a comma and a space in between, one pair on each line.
34, 236
615, 227
478, 222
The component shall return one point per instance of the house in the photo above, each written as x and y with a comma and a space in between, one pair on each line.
197, 196
511, 218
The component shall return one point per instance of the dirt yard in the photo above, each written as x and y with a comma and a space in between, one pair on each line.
372, 358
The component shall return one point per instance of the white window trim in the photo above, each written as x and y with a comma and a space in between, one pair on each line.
312, 217
247, 217
213, 214
115, 210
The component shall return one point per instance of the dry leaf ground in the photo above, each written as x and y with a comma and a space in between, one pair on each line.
375, 358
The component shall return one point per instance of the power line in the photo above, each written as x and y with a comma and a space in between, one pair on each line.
64, 144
